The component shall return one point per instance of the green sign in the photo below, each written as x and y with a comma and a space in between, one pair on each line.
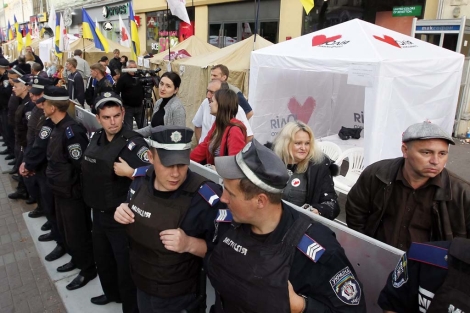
407, 11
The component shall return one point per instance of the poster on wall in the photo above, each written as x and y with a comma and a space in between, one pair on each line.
323, 100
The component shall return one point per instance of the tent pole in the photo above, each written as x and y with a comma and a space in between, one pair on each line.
83, 39
256, 23
168, 31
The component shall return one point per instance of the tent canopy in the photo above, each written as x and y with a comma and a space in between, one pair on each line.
193, 45
355, 74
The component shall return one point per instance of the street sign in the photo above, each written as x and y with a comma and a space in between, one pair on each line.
414, 10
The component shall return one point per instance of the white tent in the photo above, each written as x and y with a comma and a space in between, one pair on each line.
354, 74
47, 45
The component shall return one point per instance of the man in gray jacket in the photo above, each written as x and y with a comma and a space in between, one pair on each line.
412, 198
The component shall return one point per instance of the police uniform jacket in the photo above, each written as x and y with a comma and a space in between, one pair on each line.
22, 115
5, 91
369, 197
13, 104
35, 158
323, 279
34, 125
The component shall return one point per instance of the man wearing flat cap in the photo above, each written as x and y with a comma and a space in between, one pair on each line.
104, 191
170, 216
413, 198
268, 256
68, 140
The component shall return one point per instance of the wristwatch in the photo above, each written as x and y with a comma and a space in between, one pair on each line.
305, 303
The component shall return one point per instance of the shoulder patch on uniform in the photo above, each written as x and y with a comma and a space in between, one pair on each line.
400, 274
346, 287
45, 132
142, 154
131, 145
69, 132
312, 249
140, 171
28, 115
75, 151
208, 194
224, 216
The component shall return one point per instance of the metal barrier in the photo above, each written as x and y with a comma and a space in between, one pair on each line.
372, 260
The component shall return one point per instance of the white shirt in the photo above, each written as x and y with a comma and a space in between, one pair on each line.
205, 119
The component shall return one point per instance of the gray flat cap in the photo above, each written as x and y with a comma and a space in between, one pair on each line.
426, 130
257, 163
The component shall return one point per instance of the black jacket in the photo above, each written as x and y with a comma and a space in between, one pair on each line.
115, 64
131, 90
37, 59
5, 91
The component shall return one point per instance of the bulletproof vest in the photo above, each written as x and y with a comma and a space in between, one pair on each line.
251, 276
454, 294
98, 170
296, 189
154, 269
60, 172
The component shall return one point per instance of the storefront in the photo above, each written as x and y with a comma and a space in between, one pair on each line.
164, 29
226, 29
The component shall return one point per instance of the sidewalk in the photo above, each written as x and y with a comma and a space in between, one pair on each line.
25, 286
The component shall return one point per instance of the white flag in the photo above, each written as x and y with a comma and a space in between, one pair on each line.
178, 8
36, 29
62, 33
52, 19
125, 40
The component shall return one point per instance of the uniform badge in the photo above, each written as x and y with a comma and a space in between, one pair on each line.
346, 287
176, 136
312, 249
400, 274
45, 132
131, 145
36, 81
295, 182
142, 154
224, 216
75, 151
28, 115
107, 94
6, 83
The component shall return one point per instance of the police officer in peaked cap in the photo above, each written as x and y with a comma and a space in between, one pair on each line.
431, 277
104, 191
5, 93
64, 157
269, 257
170, 215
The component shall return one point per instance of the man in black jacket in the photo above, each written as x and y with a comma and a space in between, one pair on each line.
37, 59
100, 85
5, 93
132, 94
115, 63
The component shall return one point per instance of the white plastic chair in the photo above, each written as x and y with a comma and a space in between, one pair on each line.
332, 150
355, 157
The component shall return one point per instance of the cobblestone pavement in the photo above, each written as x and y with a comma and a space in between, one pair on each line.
25, 286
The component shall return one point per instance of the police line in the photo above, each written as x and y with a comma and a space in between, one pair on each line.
372, 260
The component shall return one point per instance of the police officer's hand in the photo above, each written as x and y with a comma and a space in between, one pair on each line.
123, 169
123, 214
24, 172
297, 303
175, 240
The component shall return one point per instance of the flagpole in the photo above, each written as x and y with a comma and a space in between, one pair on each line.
256, 23
83, 38
168, 31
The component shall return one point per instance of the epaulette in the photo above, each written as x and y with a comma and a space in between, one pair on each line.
428, 254
69, 132
224, 216
140, 171
312, 249
209, 195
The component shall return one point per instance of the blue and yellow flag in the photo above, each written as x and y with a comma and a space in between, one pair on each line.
90, 31
28, 36
19, 36
57, 34
135, 46
9, 32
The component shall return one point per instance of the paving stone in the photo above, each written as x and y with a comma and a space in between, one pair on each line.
5, 299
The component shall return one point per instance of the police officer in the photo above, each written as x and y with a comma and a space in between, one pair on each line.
5, 93
64, 156
171, 214
431, 277
34, 167
274, 258
104, 191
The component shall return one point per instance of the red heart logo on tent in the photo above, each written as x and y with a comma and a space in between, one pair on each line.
389, 40
303, 112
321, 39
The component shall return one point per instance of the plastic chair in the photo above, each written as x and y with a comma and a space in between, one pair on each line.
332, 150
355, 157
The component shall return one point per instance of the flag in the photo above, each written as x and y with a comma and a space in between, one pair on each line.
57, 38
42, 31
36, 29
178, 8
308, 5
19, 36
135, 48
10, 32
52, 22
28, 36
124, 41
93, 33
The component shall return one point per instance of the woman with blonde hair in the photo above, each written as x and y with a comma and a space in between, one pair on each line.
311, 183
